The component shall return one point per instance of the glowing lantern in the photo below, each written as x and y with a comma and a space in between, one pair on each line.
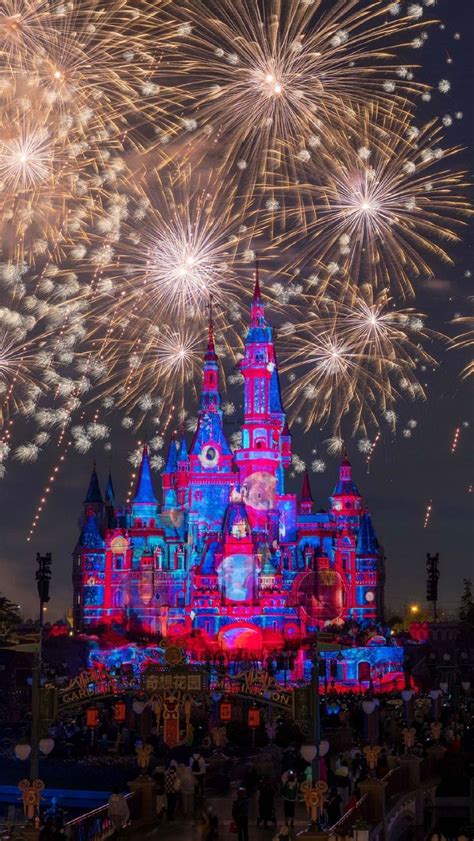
253, 719
22, 752
120, 711
92, 717
225, 711
46, 745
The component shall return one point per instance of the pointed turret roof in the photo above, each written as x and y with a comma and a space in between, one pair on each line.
109, 492
306, 495
172, 457
367, 543
183, 450
345, 486
94, 494
210, 354
90, 537
276, 404
259, 331
257, 295
144, 491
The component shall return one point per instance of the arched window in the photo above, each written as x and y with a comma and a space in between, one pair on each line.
363, 671
118, 598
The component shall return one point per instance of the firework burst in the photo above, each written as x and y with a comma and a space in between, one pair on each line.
354, 358
175, 244
383, 202
265, 77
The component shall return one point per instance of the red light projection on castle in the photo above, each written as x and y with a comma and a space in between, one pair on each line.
228, 553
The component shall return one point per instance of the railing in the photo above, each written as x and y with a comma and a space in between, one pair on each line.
397, 780
429, 768
96, 825
345, 824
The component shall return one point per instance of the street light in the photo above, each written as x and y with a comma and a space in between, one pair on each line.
23, 750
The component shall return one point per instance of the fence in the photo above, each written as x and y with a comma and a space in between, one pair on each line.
96, 825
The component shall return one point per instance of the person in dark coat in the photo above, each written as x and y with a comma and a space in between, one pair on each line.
266, 799
240, 815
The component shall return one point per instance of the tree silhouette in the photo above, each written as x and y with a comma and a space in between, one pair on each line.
9, 619
466, 607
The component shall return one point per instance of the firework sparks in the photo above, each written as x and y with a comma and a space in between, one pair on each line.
428, 513
264, 78
355, 356
455, 441
381, 202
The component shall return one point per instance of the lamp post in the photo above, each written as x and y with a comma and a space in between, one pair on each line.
43, 577
316, 714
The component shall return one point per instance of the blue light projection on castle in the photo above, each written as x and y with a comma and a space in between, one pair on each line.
228, 553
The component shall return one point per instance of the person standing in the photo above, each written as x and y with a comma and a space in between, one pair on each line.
290, 796
188, 789
197, 766
172, 786
266, 797
240, 815
160, 791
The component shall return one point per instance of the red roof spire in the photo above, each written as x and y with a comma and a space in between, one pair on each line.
210, 350
306, 495
257, 297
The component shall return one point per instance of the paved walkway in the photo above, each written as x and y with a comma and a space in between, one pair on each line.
181, 830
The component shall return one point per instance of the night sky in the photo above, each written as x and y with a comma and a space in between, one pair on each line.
405, 473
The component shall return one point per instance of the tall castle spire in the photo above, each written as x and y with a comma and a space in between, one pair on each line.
93, 495
210, 397
144, 491
265, 435
210, 415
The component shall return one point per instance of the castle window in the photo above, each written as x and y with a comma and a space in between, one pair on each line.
151, 524
348, 505
118, 598
118, 562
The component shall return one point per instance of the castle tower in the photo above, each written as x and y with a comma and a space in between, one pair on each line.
93, 499
369, 571
305, 501
168, 477
210, 457
144, 504
110, 518
266, 440
346, 499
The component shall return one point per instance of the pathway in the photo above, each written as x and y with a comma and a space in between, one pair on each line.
180, 830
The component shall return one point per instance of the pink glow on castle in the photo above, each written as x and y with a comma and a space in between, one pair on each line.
229, 554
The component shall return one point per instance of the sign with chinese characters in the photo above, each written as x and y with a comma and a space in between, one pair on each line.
174, 681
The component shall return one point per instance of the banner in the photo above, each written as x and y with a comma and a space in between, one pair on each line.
171, 720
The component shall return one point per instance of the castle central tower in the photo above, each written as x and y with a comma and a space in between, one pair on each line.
266, 440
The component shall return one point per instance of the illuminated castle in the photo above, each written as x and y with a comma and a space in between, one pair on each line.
228, 556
